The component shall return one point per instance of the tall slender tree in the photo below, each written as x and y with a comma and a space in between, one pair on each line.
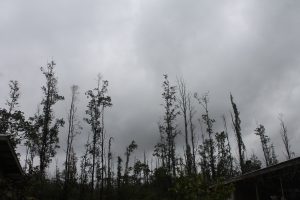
237, 129
73, 175
203, 153
73, 129
48, 137
119, 173
268, 149
160, 149
31, 137
191, 113
204, 158
285, 138
109, 164
12, 121
102, 143
168, 126
228, 144
133, 146
183, 105
203, 101
98, 100
85, 168
224, 157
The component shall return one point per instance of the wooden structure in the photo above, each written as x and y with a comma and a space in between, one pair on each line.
277, 182
10, 167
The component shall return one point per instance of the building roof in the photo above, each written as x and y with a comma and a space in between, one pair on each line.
271, 169
9, 162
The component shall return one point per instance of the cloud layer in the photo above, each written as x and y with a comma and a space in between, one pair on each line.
250, 48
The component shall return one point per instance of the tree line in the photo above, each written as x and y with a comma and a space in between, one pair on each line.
207, 158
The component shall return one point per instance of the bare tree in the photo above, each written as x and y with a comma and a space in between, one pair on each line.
183, 105
128, 152
285, 138
237, 129
72, 128
85, 168
191, 112
228, 144
109, 163
209, 144
119, 172
103, 167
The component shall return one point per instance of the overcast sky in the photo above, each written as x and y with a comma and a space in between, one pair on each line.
250, 48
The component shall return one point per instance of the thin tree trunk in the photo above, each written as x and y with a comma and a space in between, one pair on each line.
102, 156
191, 114
229, 147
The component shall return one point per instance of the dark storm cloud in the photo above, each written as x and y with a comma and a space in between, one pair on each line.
249, 48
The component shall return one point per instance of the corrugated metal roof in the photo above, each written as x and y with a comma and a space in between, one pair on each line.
263, 171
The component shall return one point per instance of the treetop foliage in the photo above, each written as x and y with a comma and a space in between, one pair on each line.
195, 170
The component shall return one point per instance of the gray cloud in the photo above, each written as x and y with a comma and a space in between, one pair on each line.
249, 48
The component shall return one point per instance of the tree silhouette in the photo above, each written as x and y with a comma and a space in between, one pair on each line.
268, 149
183, 105
48, 138
98, 100
133, 146
209, 144
285, 139
12, 121
168, 126
70, 161
236, 122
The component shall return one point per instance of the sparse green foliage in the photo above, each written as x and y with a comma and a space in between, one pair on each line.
236, 122
204, 159
119, 172
223, 157
133, 146
268, 149
109, 165
160, 149
253, 164
12, 121
168, 131
85, 169
219, 191
47, 141
189, 188
73, 130
208, 145
285, 139
193, 188
32, 139
183, 105
194, 172
98, 101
